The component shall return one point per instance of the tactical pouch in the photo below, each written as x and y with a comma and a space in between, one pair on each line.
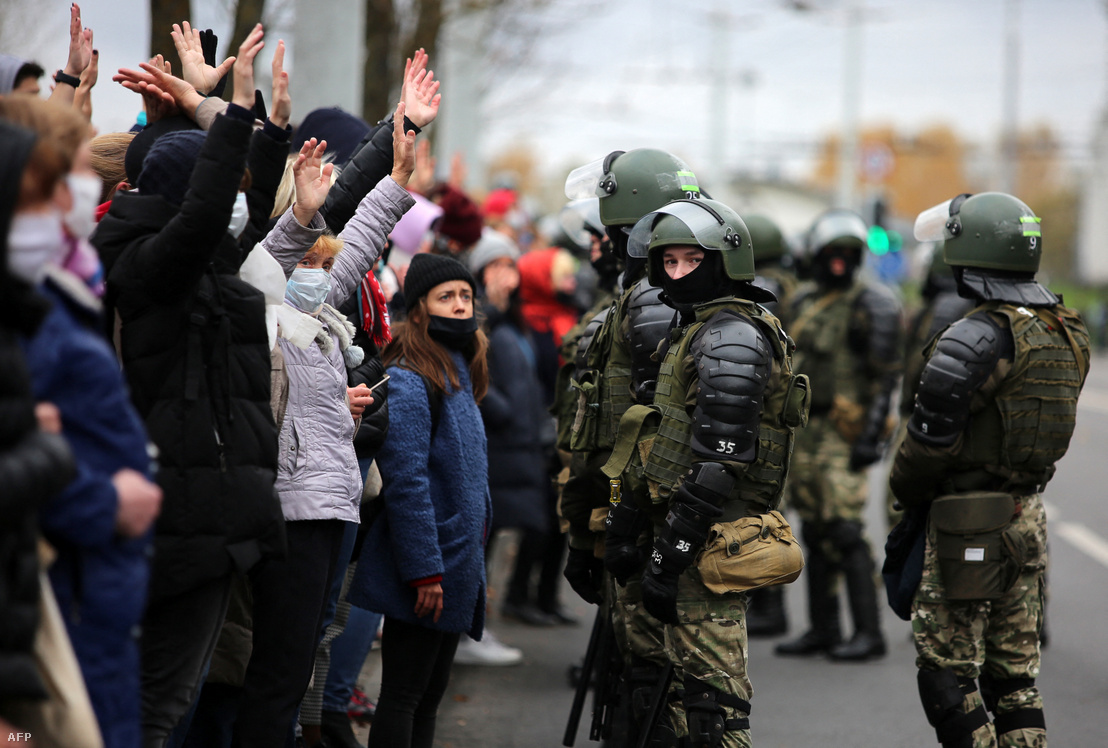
848, 418
750, 553
586, 423
979, 554
798, 400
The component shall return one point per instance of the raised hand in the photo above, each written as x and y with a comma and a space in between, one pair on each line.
423, 178
80, 44
244, 68
312, 179
403, 148
194, 67
420, 90
163, 93
82, 98
282, 102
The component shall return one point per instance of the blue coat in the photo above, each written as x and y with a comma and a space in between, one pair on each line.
99, 578
437, 511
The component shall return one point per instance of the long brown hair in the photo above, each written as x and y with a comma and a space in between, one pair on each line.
412, 344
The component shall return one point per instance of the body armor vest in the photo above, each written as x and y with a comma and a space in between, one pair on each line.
663, 458
1028, 429
648, 321
574, 345
604, 383
821, 327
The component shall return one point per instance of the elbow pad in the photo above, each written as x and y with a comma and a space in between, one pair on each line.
963, 359
733, 362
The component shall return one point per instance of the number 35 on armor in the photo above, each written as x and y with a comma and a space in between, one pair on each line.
726, 447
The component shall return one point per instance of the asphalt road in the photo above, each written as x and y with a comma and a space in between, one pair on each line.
818, 703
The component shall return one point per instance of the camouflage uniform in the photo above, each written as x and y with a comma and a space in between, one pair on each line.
1030, 364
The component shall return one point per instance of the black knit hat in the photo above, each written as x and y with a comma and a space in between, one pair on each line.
427, 271
167, 168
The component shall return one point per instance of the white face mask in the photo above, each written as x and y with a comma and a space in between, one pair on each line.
35, 240
240, 214
81, 218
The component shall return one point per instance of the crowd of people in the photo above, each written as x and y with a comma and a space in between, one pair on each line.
271, 393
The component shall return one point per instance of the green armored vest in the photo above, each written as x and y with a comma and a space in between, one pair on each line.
604, 387
653, 446
1029, 428
820, 327
564, 407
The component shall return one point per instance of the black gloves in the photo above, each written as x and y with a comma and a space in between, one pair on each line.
659, 589
864, 453
623, 558
585, 574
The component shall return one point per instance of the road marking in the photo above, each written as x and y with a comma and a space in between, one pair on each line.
1093, 400
1078, 535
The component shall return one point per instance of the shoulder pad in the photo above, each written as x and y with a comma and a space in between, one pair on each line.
648, 319
734, 360
960, 362
946, 309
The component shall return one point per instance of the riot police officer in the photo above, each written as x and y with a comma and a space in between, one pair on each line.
847, 333
713, 451
994, 411
613, 373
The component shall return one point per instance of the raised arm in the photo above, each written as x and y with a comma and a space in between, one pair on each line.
365, 236
195, 69
80, 56
300, 226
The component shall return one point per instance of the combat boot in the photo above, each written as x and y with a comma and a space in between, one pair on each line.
868, 642
823, 614
765, 612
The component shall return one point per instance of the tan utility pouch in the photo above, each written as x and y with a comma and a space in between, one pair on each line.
979, 554
750, 553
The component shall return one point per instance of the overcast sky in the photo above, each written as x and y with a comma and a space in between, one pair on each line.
640, 72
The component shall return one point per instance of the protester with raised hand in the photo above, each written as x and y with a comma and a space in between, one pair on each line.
100, 525
196, 353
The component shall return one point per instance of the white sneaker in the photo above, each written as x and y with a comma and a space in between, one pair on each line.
488, 651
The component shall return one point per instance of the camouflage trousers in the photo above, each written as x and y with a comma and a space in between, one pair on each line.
640, 635
821, 486
709, 643
998, 638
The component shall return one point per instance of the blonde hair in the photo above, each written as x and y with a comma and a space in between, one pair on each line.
327, 244
286, 191
108, 152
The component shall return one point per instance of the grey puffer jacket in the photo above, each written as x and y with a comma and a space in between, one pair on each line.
318, 475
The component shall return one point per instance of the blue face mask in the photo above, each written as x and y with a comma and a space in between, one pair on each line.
307, 289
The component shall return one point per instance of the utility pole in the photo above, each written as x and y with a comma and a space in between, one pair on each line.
1009, 151
845, 194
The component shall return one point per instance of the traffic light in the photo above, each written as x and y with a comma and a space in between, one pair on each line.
878, 240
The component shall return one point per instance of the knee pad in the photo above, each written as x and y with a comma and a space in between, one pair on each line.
942, 694
705, 715
640, 679
1020, 719
993, 689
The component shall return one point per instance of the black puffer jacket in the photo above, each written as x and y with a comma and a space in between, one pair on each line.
33, 465
196, 355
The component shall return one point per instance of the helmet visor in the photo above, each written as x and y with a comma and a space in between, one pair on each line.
931, 224
584, 181
703, 224
580, 219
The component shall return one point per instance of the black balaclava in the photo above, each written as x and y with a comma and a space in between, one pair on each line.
709, 281
844, 259
608, 266
634, 267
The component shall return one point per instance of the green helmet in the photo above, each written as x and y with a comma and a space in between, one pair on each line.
766, 236
991, 230
704, 223
633, 183
837, 227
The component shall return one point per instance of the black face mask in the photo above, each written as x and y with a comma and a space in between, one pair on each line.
453, 332
709, 281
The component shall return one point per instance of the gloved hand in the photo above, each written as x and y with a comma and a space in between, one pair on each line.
659, 593
622, 556
864, 453
585, 574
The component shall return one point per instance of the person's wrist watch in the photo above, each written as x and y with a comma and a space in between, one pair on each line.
70, 80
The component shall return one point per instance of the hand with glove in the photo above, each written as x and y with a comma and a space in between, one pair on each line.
864, 453
659, 587
623, 558
585, 574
